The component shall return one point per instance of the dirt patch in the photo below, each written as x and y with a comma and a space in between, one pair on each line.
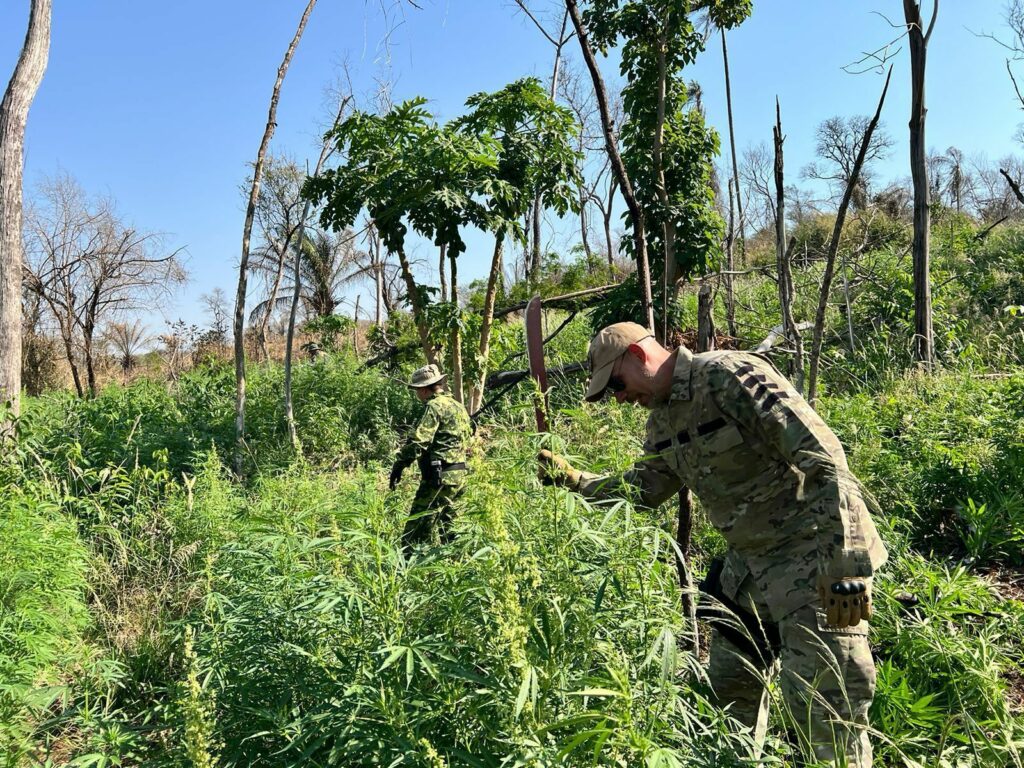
1015, 691
1008, 582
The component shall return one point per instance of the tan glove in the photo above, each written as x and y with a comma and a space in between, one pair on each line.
845, 600
553, 469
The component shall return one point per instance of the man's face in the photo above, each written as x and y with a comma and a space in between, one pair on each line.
423, 393
630, 381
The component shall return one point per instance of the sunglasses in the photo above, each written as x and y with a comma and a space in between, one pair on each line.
615, 384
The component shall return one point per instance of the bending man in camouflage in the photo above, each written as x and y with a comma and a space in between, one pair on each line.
439, 444
802, 547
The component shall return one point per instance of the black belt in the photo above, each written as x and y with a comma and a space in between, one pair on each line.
684, 437
454, 466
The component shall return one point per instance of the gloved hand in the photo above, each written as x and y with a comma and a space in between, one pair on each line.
555, 470
846, 600
395, 476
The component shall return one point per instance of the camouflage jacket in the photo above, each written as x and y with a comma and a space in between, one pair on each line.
770, 474
443, 432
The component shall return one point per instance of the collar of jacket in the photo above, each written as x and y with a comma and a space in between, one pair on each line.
681, 375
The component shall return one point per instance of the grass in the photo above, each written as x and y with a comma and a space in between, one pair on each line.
156, 612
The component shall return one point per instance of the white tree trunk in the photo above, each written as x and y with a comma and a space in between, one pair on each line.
21, 90
243, 265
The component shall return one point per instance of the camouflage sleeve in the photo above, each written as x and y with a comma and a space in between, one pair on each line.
648, 483
420, 439
763, 401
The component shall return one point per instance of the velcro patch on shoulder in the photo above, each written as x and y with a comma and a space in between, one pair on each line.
773, 397
766, 393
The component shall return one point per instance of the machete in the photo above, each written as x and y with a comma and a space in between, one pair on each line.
535, 354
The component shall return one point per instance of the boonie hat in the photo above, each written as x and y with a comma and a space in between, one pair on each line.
606, 347
425, 376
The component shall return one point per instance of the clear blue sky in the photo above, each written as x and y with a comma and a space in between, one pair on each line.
162, 104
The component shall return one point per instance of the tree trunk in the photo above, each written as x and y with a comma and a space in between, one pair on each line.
418, 314
90, 363
735, 163
730, 266
783, 257
21, 90
705, 317
533, 272
833, 248
487, 320
607, 215
918, 39
69, 353
441, 270
635, 212
272, 299
355, 327
849, 309
457, 389
377, 265
684, 520
669, 268
583, 225
243, 265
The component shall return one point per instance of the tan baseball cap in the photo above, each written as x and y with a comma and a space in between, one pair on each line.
606, 347
425, 376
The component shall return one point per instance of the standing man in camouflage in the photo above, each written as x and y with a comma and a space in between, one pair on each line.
439, 444
802, 547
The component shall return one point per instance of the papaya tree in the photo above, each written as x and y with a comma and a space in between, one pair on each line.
458, 172
536, 159
408, 173
379, 174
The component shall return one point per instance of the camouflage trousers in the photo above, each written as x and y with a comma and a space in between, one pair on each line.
827, 681
431, 515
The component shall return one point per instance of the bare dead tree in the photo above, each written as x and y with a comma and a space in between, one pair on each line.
756, 173
833, 249
739, 225
278, 208
243, 266
21, 91
216, 305
919, 38
598, 183
89, 267
558, 41
784, 257
611, 142
837, 146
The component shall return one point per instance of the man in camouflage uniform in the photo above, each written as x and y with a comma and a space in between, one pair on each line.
439, 444
802, 547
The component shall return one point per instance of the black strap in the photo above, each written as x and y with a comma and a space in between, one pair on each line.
454, 466
684, 437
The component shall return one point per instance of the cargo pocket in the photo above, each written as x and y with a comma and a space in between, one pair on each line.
722, 463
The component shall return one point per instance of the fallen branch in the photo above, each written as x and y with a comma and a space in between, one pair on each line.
389, 354
778, 332
565, 301
500, 378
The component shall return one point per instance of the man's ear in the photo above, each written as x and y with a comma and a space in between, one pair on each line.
638, 352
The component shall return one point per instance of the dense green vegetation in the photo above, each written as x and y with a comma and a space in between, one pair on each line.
154, 610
